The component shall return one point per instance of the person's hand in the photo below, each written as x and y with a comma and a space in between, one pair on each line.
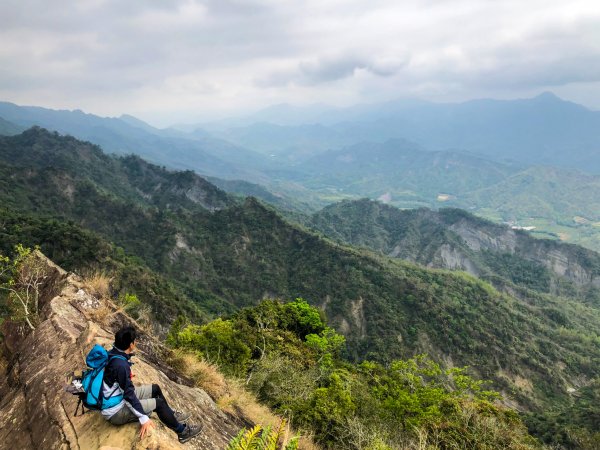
146, 427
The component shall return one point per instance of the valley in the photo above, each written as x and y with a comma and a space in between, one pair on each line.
301, 162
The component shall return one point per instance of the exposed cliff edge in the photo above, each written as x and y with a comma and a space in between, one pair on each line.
36, 412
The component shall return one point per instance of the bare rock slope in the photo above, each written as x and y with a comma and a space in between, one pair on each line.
36, 412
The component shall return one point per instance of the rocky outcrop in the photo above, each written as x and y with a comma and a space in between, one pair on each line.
36, 412
500, 239
449, 257
566, 264
575, 264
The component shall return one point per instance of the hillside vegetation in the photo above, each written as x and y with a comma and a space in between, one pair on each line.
291, 360
401, 168
454, 239
216, 255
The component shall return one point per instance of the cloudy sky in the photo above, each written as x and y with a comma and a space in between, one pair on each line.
185, 60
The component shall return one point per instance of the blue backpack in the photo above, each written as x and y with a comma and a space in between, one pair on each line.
89, 386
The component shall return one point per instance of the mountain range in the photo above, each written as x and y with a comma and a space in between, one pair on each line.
541, 130
521, 311
186, 247
528, 162
557, 202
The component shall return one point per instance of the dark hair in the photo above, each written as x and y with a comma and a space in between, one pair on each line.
124, 337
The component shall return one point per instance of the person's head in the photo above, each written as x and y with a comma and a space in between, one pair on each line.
125, 338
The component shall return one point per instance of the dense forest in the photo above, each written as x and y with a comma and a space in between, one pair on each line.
186, 248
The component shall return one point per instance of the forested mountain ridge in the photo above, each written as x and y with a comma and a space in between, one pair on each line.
281, 201
129, 177
560, 203
224, 255
125, 200
454, 239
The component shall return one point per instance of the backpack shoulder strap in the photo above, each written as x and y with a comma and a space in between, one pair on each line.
112, 357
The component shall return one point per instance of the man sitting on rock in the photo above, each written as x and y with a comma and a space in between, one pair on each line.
138, 402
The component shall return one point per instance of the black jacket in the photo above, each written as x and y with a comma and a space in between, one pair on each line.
120, 371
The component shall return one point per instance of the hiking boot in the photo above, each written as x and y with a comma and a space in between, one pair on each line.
181, 416
189, 432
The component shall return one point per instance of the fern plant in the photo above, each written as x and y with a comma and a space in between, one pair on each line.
259, 438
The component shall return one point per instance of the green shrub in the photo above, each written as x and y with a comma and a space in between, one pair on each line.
259, 438
219, 344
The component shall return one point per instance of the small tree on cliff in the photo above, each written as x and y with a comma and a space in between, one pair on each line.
22, 278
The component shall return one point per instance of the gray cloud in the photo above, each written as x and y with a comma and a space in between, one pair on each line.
323, 71
329, 69
189, 56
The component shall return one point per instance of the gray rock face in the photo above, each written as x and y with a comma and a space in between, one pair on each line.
478, 239
451, 258
566, 265
36, 412
558, 260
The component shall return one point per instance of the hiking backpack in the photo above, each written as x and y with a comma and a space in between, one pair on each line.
88, 385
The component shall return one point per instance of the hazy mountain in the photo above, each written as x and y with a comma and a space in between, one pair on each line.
280, 200
209, 156
287, 143
286, 114
8, 128
282, 114
401, 171
540, 130
135, 122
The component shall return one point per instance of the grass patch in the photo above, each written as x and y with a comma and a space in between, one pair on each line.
98, 284
230, 395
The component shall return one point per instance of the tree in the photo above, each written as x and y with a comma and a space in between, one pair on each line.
328, 345
22, 278
302, 319
218, 343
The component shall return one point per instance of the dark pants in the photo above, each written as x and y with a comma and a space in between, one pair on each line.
151, 399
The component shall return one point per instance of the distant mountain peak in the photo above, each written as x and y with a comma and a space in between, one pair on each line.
135, 122
547, 96
129, 117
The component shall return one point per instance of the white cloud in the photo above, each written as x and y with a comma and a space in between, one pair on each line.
188, 57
